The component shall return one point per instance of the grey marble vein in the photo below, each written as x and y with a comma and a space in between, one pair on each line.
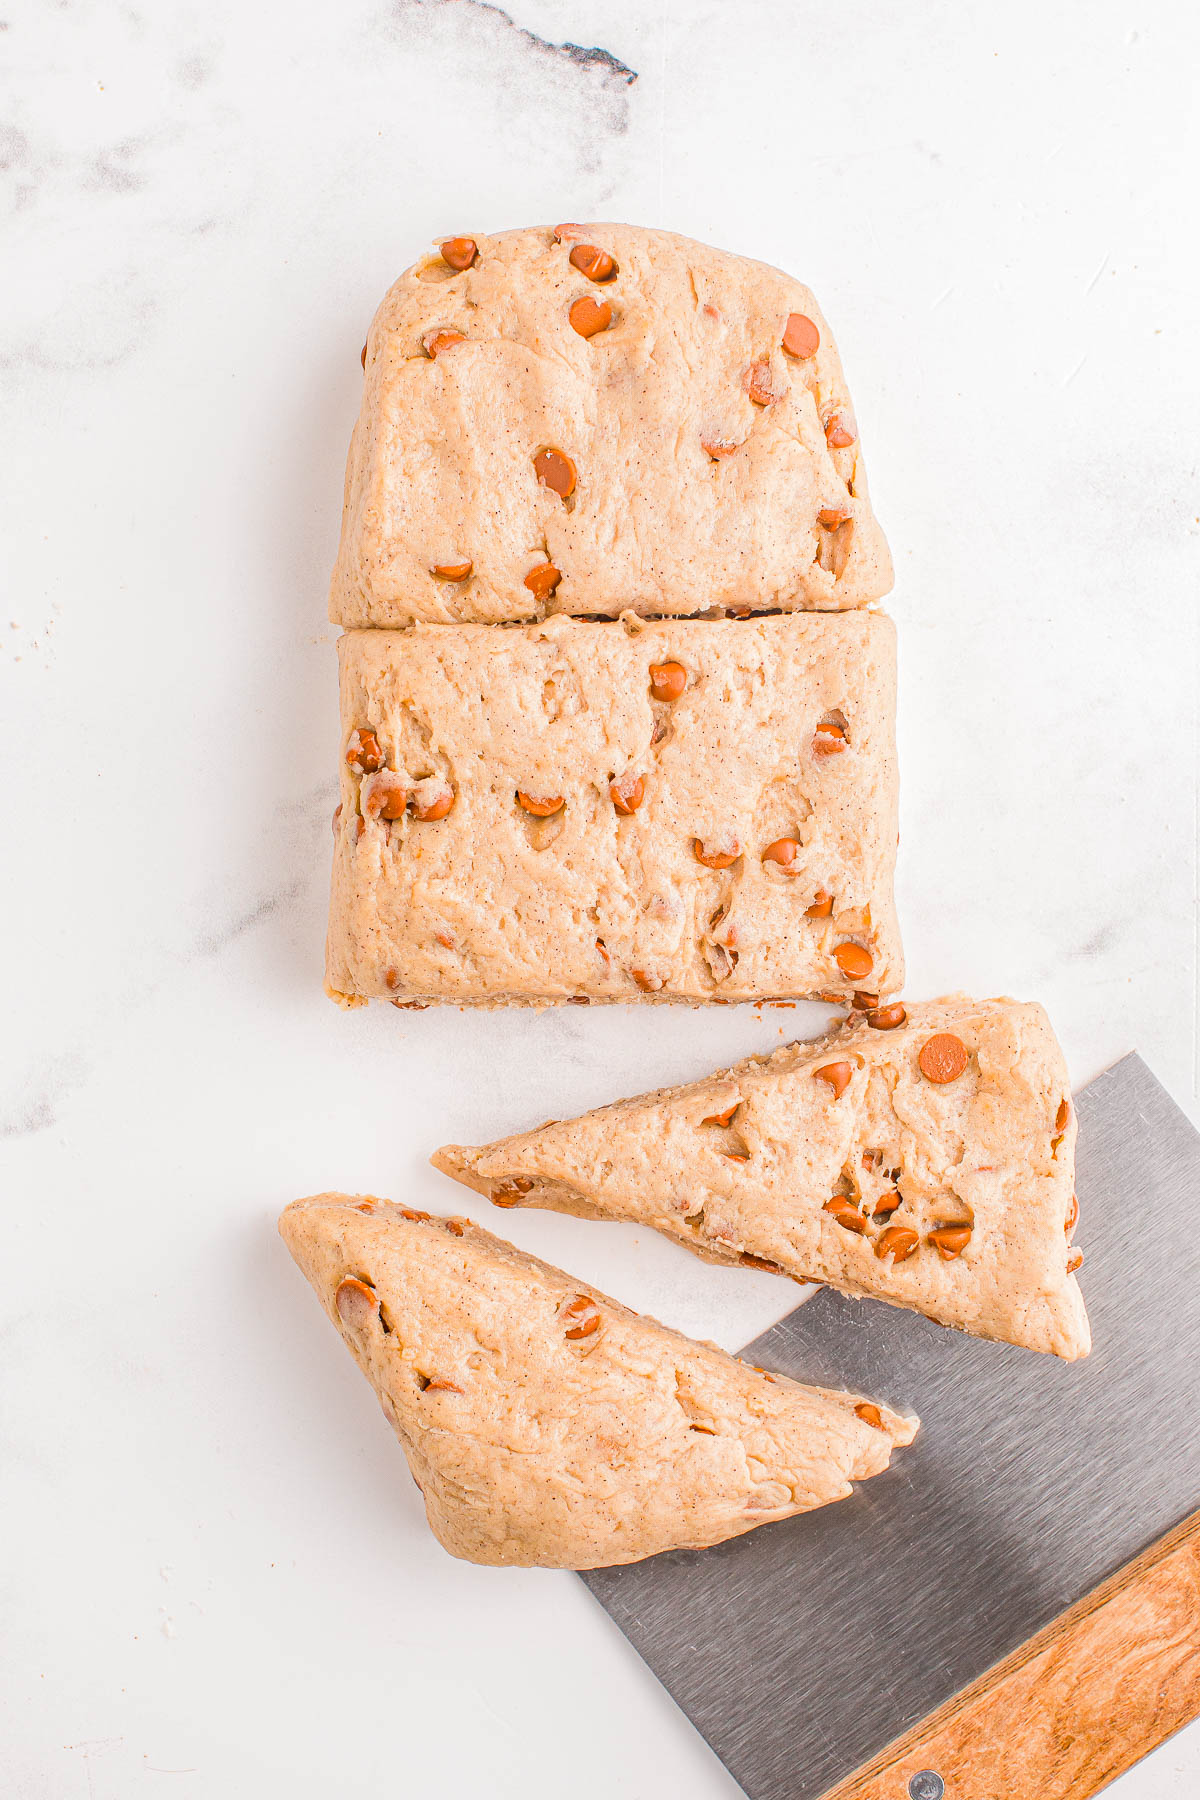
210, 942
591, 57
496, 33
298, 850
38, 1102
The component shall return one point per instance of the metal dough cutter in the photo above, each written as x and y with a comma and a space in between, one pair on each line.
1000, 1612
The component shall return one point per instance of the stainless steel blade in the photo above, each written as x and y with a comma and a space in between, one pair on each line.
801, 1650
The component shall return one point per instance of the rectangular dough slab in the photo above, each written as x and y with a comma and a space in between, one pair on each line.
441, 465
491, 905
756, 1163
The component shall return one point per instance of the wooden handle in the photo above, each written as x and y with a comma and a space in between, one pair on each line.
1076, 1705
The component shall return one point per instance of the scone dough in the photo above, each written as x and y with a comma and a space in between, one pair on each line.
546, 1424
807, 1160
712, 469
599, 898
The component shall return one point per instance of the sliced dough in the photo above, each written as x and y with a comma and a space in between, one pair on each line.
547, 1425
801, 1176
484, 902
688, 495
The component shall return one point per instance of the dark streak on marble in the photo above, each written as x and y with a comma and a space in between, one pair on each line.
312, 811
46, 1088
305, 828
1100, 941
584, 58
14, 147
213, 941
194, 71
36, 1115
613, 72
107, 173
69, 353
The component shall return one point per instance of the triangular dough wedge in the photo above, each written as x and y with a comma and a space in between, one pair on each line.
924, 1155
544, 1423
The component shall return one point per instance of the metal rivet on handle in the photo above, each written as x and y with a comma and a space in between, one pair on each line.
926, 1784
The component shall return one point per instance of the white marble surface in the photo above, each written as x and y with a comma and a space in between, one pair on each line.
217, 1578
